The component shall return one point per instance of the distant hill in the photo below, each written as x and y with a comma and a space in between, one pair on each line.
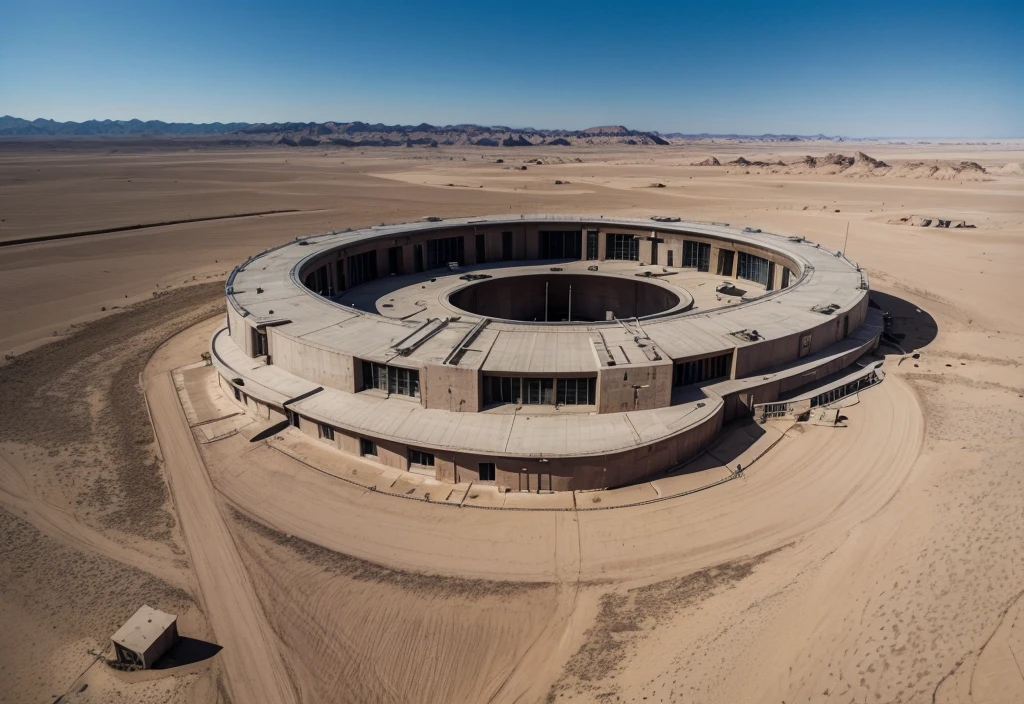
347, 134
755, 137
17, 127
363, 134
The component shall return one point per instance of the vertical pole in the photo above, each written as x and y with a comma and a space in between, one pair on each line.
545, 301
847, 238
570, 304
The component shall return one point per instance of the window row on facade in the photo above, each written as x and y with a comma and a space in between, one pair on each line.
700, 370
393, 380
580, 391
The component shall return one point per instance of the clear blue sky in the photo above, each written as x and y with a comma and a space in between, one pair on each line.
858, 68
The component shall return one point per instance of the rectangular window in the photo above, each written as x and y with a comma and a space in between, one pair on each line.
395, 261
340, 272
576, 392
671, 256
622, 247
592, 245
506, 246
481, 249
785, 277
326, 431
501, 389
394, 380
417, 258
725, 257
362, 268
487, 471
696, 255
259, 343
238, 394
752, 268
444, 250
559, 244
367, 448
293, 417
319, 281
539, 392
421, 458
697, 371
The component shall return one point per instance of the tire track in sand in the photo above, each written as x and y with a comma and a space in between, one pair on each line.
255, 669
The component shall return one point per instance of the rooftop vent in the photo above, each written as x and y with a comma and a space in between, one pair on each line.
664, 218
748, 335
825, 308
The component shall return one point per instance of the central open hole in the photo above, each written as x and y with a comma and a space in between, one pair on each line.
563, 297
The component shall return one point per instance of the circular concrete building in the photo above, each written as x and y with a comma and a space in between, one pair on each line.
543, 353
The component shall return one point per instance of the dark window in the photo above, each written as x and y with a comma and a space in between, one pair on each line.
785, 277
362, 268
592, 245
579, 392
259, 343
696, 255
442, 251
506, 246
481, 249
367, 448
419, 457
559, 244
699, 370
770, 284
671, 256
622, 247
394, 380
238, 394
395, 261
654, 251
501, 389
417, 257
293, 417
340, 271
319, 281
753, 268
326, 431
539, 392
487, 471
725, 257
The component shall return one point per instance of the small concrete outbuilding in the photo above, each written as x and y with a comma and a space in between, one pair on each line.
145, 637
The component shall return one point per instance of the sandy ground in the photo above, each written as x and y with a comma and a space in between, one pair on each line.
877, 562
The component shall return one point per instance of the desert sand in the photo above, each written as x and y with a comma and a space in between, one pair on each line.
878, 562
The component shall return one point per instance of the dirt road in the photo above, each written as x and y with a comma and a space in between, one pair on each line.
251, 657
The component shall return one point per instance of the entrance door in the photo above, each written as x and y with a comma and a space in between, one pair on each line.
654, 251
417, 257
725, 257
771, 277
592, 245
506, 246
805, 345
670, 257
395, 261
481, 250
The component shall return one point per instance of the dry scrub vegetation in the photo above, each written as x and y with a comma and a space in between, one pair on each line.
624, 617
76, 406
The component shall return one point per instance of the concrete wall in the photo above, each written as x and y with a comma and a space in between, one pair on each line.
615, 392
313, 362
454, 389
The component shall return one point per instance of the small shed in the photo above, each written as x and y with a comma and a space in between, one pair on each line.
145, 637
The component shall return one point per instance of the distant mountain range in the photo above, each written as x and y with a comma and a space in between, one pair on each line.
352, 134
17, 127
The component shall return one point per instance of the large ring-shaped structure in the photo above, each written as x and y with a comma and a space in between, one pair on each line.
540, 352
